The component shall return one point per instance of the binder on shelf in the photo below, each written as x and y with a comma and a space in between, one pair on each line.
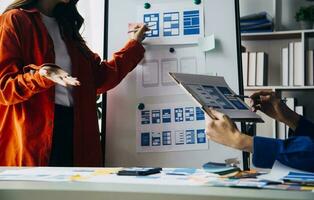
261, 68
252, 69
299, 110
281, 131
245, 63
309, 68
285, 66
291, 63
298, 64
291, 104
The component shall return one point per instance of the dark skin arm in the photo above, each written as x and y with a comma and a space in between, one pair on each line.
268, 103
223, 130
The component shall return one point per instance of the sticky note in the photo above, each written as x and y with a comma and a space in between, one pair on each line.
207, 43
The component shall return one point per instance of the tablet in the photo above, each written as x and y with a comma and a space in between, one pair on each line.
214, 92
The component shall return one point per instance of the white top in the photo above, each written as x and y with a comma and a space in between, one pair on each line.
63, 95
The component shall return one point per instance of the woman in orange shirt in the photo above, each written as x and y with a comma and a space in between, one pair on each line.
48, 117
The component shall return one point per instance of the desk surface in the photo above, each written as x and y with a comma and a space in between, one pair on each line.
16, 190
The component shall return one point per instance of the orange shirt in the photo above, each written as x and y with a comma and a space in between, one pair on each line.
27, 99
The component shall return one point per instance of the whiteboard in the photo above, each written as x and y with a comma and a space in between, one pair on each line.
219, 18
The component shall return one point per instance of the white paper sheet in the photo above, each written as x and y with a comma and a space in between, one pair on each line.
162, 178
48, 174
173, 23
278, 172
207, 43
171, 127
168, 176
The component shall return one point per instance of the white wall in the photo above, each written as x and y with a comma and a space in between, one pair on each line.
254, 6
282, 10
122, 102
286, 13
92, 30
4, 4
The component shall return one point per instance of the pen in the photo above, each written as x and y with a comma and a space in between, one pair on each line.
240, 96
134, 30
177, 173
247, 97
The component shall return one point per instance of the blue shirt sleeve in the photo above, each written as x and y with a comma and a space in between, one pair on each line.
296, 152
304, 128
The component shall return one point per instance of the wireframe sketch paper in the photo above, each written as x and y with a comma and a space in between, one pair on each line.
153, 72
214, 92
172, 45
171, 127
173, 23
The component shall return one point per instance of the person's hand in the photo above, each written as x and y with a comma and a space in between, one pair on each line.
274, 107
268, 103
139, 33
58, 75
224, 131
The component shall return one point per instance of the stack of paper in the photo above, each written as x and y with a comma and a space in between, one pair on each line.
220, 168
301, 178
257, 22
281, 173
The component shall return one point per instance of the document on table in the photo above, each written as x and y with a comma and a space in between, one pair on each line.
169, 176
281, 173
179, 176
49, 174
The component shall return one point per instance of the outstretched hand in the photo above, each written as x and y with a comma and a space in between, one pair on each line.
58, 75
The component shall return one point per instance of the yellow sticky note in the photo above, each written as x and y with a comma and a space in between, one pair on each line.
106, 171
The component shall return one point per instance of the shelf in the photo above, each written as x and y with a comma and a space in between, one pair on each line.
248, 88
297, 34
